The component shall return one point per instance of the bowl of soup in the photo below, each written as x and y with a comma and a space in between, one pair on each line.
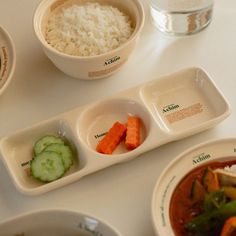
196, 193
59, 222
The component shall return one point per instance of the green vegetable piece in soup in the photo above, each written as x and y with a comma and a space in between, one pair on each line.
210, 223
214, 200
198, 192
210, 180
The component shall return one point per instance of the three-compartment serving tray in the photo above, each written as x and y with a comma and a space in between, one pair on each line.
170, 108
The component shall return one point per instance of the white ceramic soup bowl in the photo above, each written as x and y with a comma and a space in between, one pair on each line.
203, 154
59, 222
90, 67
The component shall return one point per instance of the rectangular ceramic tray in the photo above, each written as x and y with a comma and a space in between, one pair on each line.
170, 108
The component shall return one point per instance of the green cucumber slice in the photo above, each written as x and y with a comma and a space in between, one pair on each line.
47, 166
64, 151
43, 142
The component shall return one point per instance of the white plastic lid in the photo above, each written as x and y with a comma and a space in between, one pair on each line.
7, 59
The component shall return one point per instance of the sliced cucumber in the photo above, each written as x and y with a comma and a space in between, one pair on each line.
64, 151
42, 143
47, 166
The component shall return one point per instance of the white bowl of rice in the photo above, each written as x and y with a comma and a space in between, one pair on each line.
88, 39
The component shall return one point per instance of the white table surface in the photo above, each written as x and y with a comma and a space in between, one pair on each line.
120, 194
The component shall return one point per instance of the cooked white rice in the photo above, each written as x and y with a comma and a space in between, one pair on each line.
230, 168
87, 30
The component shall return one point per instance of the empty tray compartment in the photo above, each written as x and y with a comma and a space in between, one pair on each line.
184, 101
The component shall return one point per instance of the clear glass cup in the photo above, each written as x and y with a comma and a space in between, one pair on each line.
181, 17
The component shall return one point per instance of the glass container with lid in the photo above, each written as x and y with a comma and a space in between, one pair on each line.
181, 17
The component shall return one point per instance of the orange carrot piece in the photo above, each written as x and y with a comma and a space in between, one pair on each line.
112, 139
229, 228
132, 140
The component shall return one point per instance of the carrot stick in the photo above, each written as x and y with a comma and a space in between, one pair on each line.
229, 227
132, 140
111, 140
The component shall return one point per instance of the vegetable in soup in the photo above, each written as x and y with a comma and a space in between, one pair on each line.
202, 205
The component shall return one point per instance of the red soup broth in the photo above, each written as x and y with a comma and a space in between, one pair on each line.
182, 208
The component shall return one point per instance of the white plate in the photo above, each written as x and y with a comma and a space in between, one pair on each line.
170, 108
215, 150
59, 222
7, 59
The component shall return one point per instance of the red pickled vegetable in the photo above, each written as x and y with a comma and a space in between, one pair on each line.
132, 140
229, 228
112, 139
